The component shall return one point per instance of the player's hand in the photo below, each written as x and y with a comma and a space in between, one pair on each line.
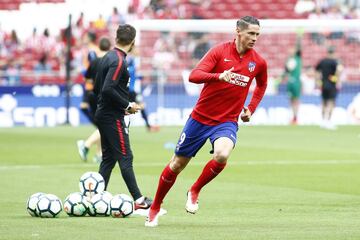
226, 75
134, 108
246, 115
142, 105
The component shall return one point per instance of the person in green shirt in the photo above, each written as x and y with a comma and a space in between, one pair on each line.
292, 73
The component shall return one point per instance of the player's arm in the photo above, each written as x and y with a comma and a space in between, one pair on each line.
298, 46
202, 73
318, 75
111, 80
261, 84
337, 76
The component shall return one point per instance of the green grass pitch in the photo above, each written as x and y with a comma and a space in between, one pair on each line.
280, 183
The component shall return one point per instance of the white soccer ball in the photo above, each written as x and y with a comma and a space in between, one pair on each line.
49, 206
76, 205
121, 206
32, 202
91, 183
100, 204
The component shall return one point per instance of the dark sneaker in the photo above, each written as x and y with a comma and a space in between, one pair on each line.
145, 204
83, 151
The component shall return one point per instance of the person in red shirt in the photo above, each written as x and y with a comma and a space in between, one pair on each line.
227, 71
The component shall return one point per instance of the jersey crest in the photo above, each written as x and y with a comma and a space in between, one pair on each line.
251, 66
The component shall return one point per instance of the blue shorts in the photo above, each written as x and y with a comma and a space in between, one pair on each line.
195, 134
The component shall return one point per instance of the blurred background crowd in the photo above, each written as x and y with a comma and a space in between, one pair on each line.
39, 57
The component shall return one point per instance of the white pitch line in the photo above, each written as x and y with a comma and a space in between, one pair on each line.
194, 162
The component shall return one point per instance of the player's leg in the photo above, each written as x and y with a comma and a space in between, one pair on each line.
324, 97
331, 100
98, 156
138, 99
108, 136
82, 150
223, 139
168, 177
85, 106
295, 109
294, 95
330, 107
124, 156
166, 181
88, 107
84, 146
145, 117
191, 140
94, 139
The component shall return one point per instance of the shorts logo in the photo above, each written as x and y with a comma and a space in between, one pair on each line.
251, 66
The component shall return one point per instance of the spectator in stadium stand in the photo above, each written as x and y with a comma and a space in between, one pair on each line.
89, 104
11, 42
292, 73
202, 45
227, 71
334, 12
99, 23
12, 72
32, 43
317, 14
47, 42
111, 87
116, 18
43, 66
165, 53
353, 36
157, 5
80, 21
198, 7
329, 72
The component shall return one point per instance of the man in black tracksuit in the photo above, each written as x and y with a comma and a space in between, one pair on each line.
328, 68
111, 87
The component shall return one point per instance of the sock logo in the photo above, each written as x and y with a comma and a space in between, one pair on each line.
165, 180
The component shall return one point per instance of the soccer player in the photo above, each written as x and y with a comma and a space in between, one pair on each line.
328, 67
133, 93
227, 71
90, 103
111, 87
293, 68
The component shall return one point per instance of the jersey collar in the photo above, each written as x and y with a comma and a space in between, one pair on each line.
120, 50
237, 53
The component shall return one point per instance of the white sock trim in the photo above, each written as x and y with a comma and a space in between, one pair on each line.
140, 200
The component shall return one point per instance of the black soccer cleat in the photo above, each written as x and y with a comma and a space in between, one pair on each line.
146, 204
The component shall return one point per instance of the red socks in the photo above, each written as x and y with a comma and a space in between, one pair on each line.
168, 177
210, 171
166, 181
